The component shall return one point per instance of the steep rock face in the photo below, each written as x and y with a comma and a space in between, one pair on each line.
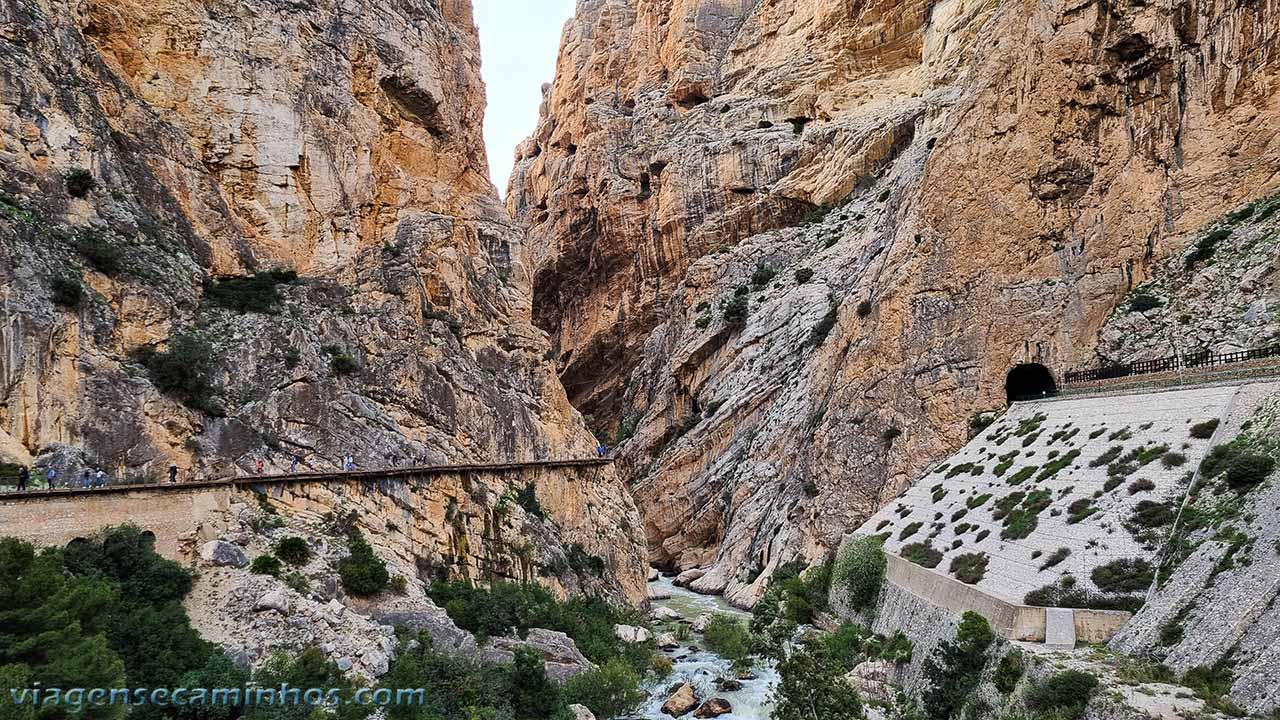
941, 191
160, 158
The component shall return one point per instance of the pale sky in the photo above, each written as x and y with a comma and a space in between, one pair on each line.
518, 47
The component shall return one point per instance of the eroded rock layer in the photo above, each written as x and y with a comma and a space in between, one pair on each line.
788, 248
169, 165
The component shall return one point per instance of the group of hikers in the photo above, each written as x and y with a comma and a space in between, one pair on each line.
92, 478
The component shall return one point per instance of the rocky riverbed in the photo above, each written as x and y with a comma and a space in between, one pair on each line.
748, 698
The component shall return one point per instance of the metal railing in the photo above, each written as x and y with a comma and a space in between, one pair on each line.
1194, 360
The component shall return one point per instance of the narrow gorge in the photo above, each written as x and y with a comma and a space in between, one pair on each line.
823, 359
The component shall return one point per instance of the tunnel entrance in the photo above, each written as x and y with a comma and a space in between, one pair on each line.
1029, 381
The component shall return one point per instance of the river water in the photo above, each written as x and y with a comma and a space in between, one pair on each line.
701, 668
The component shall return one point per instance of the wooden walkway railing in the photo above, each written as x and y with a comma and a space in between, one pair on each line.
381, 474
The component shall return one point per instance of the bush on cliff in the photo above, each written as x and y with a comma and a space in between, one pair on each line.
735, 311
293, 550
185, 370
257, 293
266, 565
362, 573
1063, 695
860, 570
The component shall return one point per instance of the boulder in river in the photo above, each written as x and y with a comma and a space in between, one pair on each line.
664, 614
728, 684
715, 707
631, 634
688, 576
667, 641
700, 624
681, 701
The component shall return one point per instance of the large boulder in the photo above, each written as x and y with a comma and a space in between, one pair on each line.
664, 614
656, 593
873, 680
654, 574
688, 576
277, 600
715, 707
221, 553
668, 641
581, 713
701, 623
560, 654
631, 633
427, 617
681, 701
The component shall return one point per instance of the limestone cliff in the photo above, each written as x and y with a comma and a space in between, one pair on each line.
789, 248
243, 230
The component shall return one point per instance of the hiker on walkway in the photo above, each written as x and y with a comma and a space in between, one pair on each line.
293, 465
173, 473
99, 479
23, 476
51, 475
86, 480
258, 466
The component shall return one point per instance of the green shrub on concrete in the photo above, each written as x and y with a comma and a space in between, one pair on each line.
922, 554
1150, 514
910, 530
1247, 471
1204, 430
860, 571
1126, 575
969, 568
1056, 558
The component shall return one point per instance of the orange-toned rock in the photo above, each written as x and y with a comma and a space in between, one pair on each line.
153, 148
925, 195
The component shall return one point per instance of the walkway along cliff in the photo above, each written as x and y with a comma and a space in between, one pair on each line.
256, 230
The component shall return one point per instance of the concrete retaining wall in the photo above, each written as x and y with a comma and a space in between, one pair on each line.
1009, 620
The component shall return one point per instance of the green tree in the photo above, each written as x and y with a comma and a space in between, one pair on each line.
611, 691
533, 696
309, 669
813, 689
454, 687
218, 672
49, 628
146, 625
954, 669
860, 571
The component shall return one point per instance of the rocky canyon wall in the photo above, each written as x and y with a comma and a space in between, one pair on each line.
785, 250
233, 231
